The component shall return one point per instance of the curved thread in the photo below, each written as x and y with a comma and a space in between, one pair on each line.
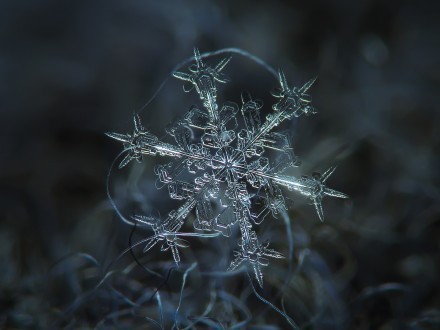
112, 202
287, 317
185, 275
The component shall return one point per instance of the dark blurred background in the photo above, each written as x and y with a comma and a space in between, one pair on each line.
72, 70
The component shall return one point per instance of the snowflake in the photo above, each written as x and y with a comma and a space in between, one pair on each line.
227, 164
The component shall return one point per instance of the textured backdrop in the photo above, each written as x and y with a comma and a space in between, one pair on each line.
72, 70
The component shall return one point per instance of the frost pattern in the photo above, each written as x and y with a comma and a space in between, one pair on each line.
233, 180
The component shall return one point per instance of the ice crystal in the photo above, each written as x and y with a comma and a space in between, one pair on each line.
227, 164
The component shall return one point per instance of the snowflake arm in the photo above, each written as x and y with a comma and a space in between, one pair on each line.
312, 187
250, 250
165, 230
142, 142
254, 253
293, 101
204, 79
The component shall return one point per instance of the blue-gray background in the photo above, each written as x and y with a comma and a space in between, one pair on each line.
72, 70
